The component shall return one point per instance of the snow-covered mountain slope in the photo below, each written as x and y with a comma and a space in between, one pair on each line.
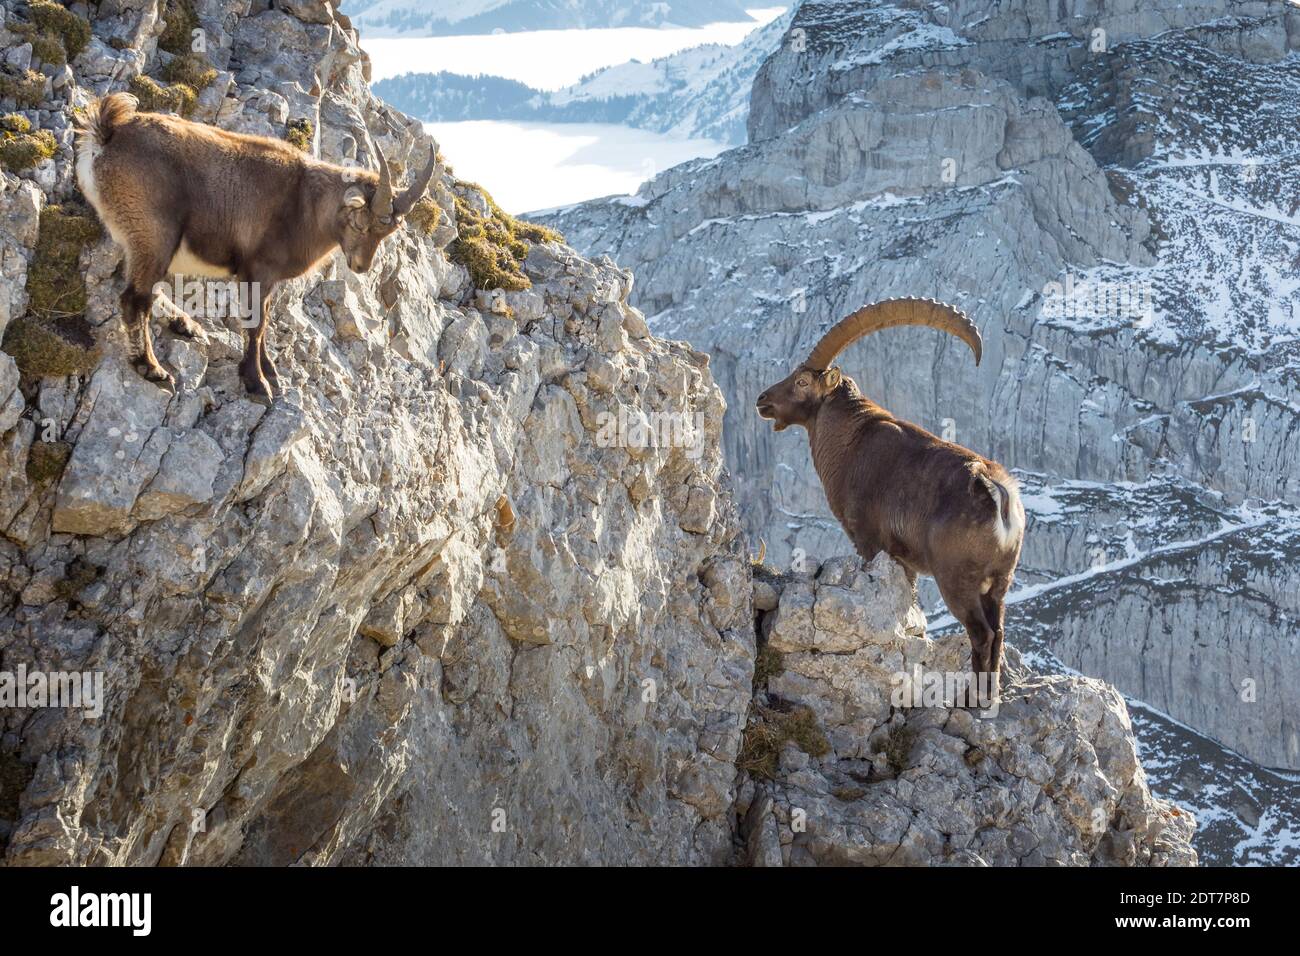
391, 18
1108, 194
702, 92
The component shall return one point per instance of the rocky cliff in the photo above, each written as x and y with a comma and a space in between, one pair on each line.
474, 588
1106, 193
1048, 777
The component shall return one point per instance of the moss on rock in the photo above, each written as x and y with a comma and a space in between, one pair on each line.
180, 21
55, 32
53, 339
424, 216
768, 663
46, 460
54, 279
15, 123
20, 148
27, 89
73, 31
300, 133
155, 98
493, 246
190, 69
51, 348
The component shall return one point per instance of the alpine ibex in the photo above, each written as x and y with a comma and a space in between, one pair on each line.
189, 198
935, 507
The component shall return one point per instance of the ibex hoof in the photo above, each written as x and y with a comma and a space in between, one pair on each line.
157, 374
260, 392
184, 326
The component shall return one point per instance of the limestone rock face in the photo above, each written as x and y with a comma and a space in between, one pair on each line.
1099, 188
1049, 777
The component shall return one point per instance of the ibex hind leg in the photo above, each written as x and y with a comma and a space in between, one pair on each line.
984, 687
965, 604
993, 605
146, 267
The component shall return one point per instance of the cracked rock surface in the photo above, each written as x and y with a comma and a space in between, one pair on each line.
1050, 777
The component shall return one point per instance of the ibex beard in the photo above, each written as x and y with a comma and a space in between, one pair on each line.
184, 197
935, 507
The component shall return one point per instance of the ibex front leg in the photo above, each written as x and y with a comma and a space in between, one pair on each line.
260, 379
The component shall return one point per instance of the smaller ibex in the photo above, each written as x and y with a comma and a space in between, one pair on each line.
183, 197
935, 507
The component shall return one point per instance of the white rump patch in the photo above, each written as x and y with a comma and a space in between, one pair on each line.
88, 150
1007, 527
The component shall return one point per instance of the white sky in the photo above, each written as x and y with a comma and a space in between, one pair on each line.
567, 162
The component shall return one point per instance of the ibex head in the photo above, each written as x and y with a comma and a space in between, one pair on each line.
368, 217
796, 399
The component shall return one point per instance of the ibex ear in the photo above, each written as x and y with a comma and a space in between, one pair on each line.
831, 378
354, 198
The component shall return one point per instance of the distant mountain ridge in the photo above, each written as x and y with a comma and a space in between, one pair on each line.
700, 92
394, 18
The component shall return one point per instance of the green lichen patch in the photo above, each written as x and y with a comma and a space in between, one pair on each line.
27, 89
767, 664
53, 339
45, 460
300, 133
190, 69
55, 32
15, 123
51, 348
770, 729
54, 280
180, 22
72, 30
424, 216
20, 148
154, 98
493, 246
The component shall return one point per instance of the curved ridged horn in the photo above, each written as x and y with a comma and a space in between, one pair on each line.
414, 191
890, 314
382, 203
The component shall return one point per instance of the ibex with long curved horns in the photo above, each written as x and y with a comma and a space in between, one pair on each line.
935, 507
188, 198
